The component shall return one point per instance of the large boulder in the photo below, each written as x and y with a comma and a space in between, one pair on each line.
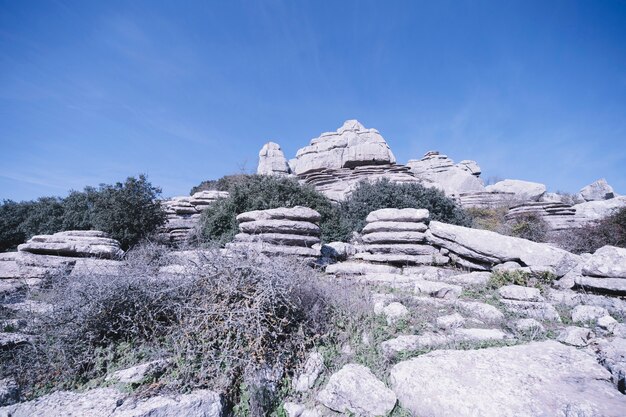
523, 190
597, 210
354, 389
439, 171
272, 160
599, 190
491, 248
607, 262
75, 243
536, 379
352, 145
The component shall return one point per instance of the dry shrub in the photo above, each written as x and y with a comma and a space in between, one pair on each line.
609, 231
220, 321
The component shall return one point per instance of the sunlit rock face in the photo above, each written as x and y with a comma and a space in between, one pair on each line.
352, 145
439, 171
272, 160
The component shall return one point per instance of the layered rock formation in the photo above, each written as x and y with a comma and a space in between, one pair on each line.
184, 212
604, 272
522, 190
74, 243
272, 160
281, 231
397, 237
437, 170
336, 162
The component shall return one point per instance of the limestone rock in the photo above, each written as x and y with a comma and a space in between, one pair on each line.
354, 389
612, 286
280, 226
138, 373
599, 190
575, 336
202, 403
183, 213
535, 379
297, 213
272, 160
586, 313
313, 367
523, 190
360, 268
339, 251
530, 309
394, 227
450, 321
438, 289
74, 243
409, 215
608, 261
612, 355
529, 325
489, 247
521, 293
395, 312
350, 146
437, 170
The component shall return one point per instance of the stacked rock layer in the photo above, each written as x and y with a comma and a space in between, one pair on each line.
183, 213
604, 272
439, 171
76, 243
280, 231
397, 237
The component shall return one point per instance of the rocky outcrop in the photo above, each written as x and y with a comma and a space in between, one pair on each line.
604, 272
599, 190
115, 403
439, 171
528, 380
280, 231
397, 237
558, 216
523, 190
272, 160
74, 243
483, 249
184, 212
352, 145
487, 200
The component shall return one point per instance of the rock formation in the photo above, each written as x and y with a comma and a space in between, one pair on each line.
604, 272
74, 243
397, 237
599, 190
272, 160
523, 190
280, 231
184, 212
439, 171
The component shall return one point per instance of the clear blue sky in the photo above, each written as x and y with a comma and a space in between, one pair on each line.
94, 91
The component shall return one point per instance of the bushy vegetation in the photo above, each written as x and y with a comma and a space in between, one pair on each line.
610, 230
529, 226
368, 197
219, 323
260, 192
492, 219
128, 211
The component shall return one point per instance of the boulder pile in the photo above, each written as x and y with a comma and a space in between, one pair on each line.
397, 237
280, 231
439, 171
184, 212
74, 243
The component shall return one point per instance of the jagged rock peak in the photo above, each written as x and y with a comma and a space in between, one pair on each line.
272, 160
352, 124
599, 190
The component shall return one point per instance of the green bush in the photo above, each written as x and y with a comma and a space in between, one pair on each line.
260, 192
368, 197
223, 184
128, 211
529, 226
492, 219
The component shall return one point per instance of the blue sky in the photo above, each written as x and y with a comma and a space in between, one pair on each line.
94, 91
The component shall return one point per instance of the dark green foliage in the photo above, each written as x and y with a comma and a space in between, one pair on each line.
223, 184
129, 211
368, 197
609, 231
260, 192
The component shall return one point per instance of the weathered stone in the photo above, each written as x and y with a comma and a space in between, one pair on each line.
409, 215
394, 237
395, 312
607, 323
438, 171
360, 268
412, 343
535, 379
75, 243
399, 249
608, 261
612, 355
585, 313
338, 250
487, 246
533, 310
138, 373
521, 293
599, 190
313, 367
529, 326
450, 321
354, 389
280, 226
274, 250
401, 259
272, 160
481, 311
281, 239
394, 227
575, 336
438, 289
524, 190
478, 335
294, 213
613, 286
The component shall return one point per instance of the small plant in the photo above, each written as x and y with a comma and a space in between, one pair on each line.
502, 278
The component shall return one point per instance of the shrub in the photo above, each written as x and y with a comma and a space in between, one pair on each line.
260, 192
223, 184
488, 218
608, 231
529, 226
219, 323
12, 215
368, 197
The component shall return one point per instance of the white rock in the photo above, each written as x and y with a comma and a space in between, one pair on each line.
74, 243
599, 190
524, 190
282, 213
138, 373
575, 336
608, 261
536, 379
607, 323
354, 389
530, 309
398, 215
438, 289
394, 227
518, 292
313, 367
280, 226
394, 237
201, 403
529, 325
585, 313
451, 321
395, 312
272, 160
478, 335
293, 409
359, 268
